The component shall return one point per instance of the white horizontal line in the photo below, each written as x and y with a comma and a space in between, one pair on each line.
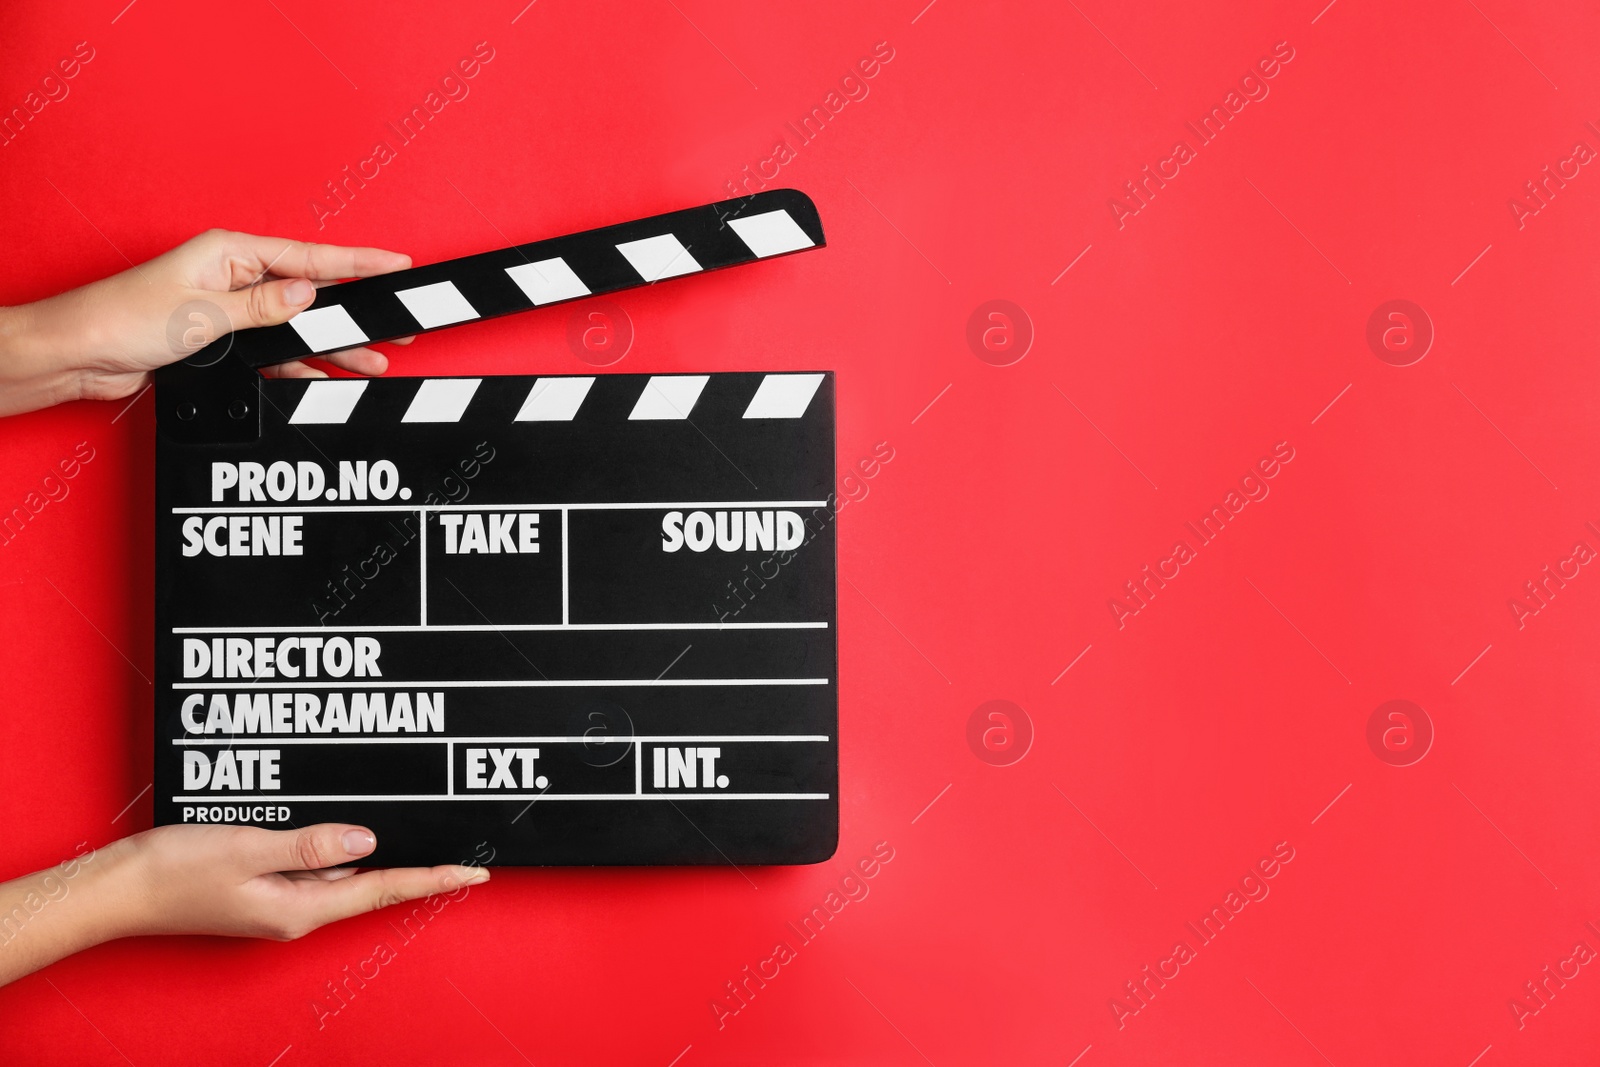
492, 628
311, 799
508, 683
310, 507
233, 739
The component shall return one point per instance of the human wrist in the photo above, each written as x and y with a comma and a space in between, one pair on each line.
74, 905
116, 890
36, 364
100, 895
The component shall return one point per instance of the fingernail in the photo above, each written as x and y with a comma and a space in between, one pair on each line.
299, 291
474, 875
358, 842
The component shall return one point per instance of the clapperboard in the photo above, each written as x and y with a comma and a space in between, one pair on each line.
584, 620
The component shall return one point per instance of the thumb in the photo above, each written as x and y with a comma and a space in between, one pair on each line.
311, 848
267, 304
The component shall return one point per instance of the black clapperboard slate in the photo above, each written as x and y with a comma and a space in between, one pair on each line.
582, 619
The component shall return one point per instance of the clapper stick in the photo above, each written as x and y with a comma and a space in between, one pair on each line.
214, 394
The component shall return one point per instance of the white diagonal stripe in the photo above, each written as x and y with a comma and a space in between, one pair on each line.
439, 304
554, 400
327, 329
771, 233
547, 281
328, 401
660, 257
669, 396
441, 400
783, 396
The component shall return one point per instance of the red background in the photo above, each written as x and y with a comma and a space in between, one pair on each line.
1220, 320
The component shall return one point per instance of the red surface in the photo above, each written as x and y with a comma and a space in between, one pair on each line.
1218, 321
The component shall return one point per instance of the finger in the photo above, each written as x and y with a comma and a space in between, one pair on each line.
372, 890
326, 874
358, 360
403, 340
298, 259
311, 848
294, 369
266, 304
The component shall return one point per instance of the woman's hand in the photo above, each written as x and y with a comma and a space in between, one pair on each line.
233, 880
101, 341
247, 882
